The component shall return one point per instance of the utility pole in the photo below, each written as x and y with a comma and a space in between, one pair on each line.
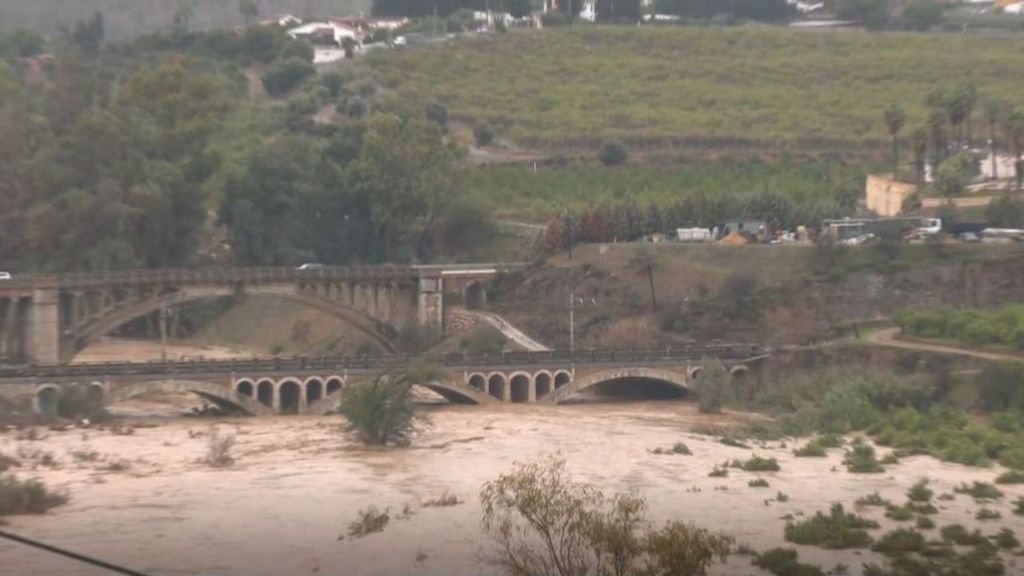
572, 331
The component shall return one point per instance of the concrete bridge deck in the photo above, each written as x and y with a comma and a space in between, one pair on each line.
313, 385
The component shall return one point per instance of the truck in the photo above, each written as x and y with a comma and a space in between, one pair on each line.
693, 234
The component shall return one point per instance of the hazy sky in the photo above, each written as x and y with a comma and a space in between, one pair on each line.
128, 17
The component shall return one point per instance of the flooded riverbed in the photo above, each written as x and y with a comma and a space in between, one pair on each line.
298, 482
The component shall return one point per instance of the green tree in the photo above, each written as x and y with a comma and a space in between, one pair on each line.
996, 109
919, 144
22, 42
299, 49
250, 10
182, 19
1014, 128
284, 75
333, 81
712, 386
381, 410
437, 113
546, 524
89, 34
413, 177
483, 133
519, 8
874, 14
923, 15
895, 118
953, 174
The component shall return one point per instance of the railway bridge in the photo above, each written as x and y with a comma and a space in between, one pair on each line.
47, 319
314, 385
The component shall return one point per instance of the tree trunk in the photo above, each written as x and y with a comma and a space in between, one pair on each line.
650, 280
992, 149
895, 158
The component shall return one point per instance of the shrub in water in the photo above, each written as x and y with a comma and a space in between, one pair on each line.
959, 535
861, 460
1011, 477
899, 513
836, 530
988, 514
370, 520
920, 492
979, 491
1006, 539
900, 541
874, 499
758, 483
26, 496
758, 464
783, 562
925, 523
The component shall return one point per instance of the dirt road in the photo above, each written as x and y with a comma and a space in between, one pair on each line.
888, 337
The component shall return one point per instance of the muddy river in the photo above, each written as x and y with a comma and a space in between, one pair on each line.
298, 482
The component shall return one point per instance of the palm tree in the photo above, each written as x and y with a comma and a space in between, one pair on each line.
937, 128
895, 118
919, 144
645, 261
1014, 126
995, 111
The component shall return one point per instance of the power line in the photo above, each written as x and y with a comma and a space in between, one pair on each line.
69, 554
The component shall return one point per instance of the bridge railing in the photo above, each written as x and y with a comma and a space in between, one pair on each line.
693, 353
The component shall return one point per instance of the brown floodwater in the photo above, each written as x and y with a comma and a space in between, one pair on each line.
299, 481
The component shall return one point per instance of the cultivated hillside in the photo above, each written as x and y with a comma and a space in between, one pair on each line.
701, 87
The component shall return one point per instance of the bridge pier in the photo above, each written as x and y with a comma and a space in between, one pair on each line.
45, 326
430, 302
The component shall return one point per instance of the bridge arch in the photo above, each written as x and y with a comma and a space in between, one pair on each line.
213, 392
334, 384
581, 383
265, 392
496, 383
562, 379
376, 330
289, 396
543, 383
454, 393
245, 387
477, 381
314, 389
46, 399
519, 387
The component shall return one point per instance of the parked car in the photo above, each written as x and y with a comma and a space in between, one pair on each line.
311, 266
858, 240
5, 275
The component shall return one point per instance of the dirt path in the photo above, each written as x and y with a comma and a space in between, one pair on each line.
509, 331
889, 337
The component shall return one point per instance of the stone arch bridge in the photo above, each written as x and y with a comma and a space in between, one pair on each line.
48, 319
314, 385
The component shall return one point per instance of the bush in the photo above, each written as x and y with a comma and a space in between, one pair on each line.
837, 530
299, 49
483, 133
26, 496
333, 81
613, 154
370, 521
783, 562
285, 75
540, 503
437, 113
900, 541
443, 501
861, 460
1018, 506
718, 472
758, 483
381, 410
6, 462
810, 450
356, 107
925, 523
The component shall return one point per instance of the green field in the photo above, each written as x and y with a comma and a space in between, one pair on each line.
764, 88
522, 192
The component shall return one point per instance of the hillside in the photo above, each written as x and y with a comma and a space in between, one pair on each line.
124, 19
698, 87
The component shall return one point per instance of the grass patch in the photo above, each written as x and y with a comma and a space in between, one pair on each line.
957, 534
874, 499
920, 492
677, 448
26, 496
836, 530
371, 520
899, 514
